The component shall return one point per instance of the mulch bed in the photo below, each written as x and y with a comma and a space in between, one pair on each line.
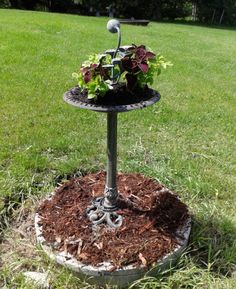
151, 214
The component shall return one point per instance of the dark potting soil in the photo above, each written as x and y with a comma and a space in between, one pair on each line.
118, 96
151, 217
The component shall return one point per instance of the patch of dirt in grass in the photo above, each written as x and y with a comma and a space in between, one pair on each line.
18, 246
151, 215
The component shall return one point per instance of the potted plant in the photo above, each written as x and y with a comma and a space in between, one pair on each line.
119, 76
114, 233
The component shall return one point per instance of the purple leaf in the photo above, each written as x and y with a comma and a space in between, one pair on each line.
134, 66
149, 55
87, 76
127, 64
143, 66
93, 66
140, 54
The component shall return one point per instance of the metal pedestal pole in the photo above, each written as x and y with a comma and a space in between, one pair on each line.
110, 192
103, 209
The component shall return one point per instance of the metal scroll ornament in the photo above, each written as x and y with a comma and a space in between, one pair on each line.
100, 213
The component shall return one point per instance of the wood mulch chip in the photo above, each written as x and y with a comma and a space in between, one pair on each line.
151, 214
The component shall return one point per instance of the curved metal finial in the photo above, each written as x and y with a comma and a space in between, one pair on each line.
113, 26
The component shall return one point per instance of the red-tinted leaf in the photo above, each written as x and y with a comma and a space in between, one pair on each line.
85, 69
143, 66
127, 64
149, 55
104, 72
87, 76
134, 66
93, 66
140, 54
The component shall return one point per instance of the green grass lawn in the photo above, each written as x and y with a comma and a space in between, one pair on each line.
187, 141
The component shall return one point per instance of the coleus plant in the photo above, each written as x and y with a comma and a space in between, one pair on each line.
136, 66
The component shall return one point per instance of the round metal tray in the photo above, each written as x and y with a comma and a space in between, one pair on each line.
70, 97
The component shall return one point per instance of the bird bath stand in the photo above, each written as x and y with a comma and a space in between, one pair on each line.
104, 210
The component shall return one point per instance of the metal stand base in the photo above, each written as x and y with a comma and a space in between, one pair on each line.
99, 213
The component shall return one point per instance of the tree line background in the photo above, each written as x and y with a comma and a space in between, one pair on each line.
209, 12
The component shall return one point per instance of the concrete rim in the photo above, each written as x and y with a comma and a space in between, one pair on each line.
102, 273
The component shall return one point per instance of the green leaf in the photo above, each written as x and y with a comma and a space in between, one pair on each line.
91, 95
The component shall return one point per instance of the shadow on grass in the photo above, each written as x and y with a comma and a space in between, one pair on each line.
213, 245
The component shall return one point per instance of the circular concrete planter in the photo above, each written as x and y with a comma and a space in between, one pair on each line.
104, 273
